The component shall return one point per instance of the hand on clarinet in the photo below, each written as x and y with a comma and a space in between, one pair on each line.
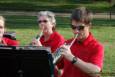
66, 52
36, 42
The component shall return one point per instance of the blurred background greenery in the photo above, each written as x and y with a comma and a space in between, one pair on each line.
56, 5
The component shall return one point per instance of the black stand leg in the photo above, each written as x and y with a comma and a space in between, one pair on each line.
20, 72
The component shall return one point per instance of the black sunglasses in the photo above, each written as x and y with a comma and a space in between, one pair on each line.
45, 21
80, 27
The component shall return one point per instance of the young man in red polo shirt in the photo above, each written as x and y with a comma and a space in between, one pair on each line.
4, 40
85, 57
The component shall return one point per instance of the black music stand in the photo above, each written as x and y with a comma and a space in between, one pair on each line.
26, 62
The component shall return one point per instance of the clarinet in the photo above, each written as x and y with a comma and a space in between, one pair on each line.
30, 45
57, 55
37, 37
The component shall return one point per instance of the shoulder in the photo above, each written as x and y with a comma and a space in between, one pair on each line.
58, 36
10, 42
96, 45
94, 42
6, 39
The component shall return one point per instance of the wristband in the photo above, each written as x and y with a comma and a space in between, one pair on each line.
74, 60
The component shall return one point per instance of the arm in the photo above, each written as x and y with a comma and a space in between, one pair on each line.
91, 68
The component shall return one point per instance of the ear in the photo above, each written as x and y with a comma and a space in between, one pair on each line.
90, 25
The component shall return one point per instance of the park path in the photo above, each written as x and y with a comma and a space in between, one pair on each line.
95, 15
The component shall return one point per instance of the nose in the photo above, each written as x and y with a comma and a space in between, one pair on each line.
41, 24
76, 32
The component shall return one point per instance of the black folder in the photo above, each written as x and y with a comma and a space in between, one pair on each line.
26, 61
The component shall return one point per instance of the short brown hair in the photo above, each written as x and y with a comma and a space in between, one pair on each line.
82, 14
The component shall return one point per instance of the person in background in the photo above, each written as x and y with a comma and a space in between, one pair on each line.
85, 57
5, 41
50, 37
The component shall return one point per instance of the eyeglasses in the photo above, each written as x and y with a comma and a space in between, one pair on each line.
40, 21
80, 27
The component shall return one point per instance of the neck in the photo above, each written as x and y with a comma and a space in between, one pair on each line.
85, 37
47, 35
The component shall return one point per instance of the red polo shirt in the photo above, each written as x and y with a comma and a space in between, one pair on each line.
89, 51
54, 41
10, 42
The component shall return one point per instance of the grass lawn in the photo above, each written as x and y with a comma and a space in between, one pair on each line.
104, 30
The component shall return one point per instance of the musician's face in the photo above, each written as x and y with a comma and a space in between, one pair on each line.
81, 29
45, 24
1, 29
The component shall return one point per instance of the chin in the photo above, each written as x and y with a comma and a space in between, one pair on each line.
79, 38
45, 33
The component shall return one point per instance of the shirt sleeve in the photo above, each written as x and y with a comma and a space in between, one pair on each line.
11, 42
97, 56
